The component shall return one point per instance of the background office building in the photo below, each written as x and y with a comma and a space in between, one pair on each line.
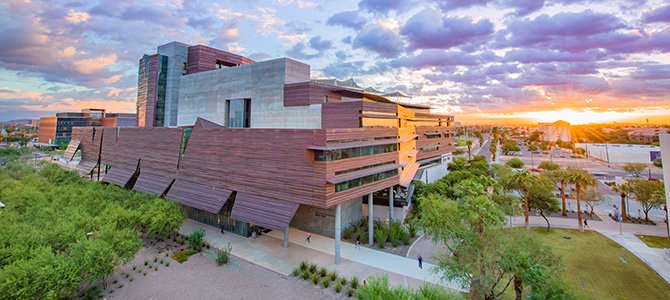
58, 129
556, 131
262, 146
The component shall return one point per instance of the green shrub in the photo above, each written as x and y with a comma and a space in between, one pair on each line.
362, 235
381, 235
303, 266
305, 275
343, 281
430, 292
338, 286
295, 272
515, 163
92, 293
323, 272
350, 292
182, 256
325, 283
348, 232
412, 229
395, 233
195, 240
312, 268
223, 255
333, 275
354, 282
315, 278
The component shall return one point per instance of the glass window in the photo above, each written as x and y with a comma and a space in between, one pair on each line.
238, 113
350, 184
330, 155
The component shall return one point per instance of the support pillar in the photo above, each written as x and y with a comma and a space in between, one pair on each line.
338, 232
391, 204
371, 220
286, 237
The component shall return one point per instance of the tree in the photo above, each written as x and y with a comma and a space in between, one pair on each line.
521, 181
510, 146
634, 168
469, 144
624, 191
658, 162
493, 149
548, 166
532, 147
592, 197
581, 180
541, 197
195, 240
515, 163
649, 193
457, 151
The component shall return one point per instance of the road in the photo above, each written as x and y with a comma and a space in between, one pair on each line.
484, 150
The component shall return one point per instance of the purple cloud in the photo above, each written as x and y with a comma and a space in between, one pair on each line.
523, 7
661, 14
652, 72
380, 40
383, 6
429, 29
456, 4
348, 19
319, 44
534, 55
437, 58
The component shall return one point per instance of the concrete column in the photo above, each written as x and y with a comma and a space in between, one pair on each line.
286, 237
371, 220
338, 232
391, 204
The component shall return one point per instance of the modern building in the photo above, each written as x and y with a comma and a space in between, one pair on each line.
58, 129
664, 140
621, 153
556, 131
256, 146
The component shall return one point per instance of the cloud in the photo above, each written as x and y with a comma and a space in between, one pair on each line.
379, 39
429, 29
319, 44
456, 4
383, 6
348, 19
75, 17
437, 58
661, 14
535, 55
523, 7
90, 65
317, 47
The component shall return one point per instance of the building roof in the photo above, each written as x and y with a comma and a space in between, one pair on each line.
263, 211
201, 196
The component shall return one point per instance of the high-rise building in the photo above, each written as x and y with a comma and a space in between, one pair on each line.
58, 129
556, 131
263, 146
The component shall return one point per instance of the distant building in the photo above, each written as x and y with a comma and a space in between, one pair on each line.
621, 153
58, 129
644, 135
556, 131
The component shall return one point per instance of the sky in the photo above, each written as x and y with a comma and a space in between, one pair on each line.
484, 61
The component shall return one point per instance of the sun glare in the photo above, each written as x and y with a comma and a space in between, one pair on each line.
572, 116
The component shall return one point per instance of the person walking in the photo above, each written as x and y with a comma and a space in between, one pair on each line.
309, 238
586, 224
358, 242
420, 262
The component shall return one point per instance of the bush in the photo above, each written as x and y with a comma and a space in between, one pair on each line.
338, 286
305, 275
182, 256
362, 235
396, 233
312, 268
343, 281
406, 239
381, 234
325, 283
350, 292
354, 282
458, 151
315, 278
323, 272
515, 163
223, 255
195, 240
303, 266
333, 275
295, 272
348, 233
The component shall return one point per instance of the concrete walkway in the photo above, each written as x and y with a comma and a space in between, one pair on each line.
373, 258
535, 221
653, 257
267, 251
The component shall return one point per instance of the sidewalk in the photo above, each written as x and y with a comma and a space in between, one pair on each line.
654, 258
373, 258
535, 221
267, 251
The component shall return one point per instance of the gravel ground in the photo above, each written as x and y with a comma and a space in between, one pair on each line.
201, 278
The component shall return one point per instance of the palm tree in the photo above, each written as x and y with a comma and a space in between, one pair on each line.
469, 143
520, 181
624, 190
580, 179
560, 176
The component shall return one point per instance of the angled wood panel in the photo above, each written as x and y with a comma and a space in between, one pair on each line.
85, 167
201, 196
71, 149
262, 211
119, 176
153, 184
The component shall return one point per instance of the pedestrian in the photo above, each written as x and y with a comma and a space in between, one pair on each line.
586, 224
358, 242
222, 226
309, 238
420, 262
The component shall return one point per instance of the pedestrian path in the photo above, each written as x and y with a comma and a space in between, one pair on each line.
267, 251
654, 258
656, 230
374, 258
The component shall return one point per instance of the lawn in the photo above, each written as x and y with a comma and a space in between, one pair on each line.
599, 268
654, 241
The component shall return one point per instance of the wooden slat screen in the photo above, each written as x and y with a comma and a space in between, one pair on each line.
263, 211
200, 196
